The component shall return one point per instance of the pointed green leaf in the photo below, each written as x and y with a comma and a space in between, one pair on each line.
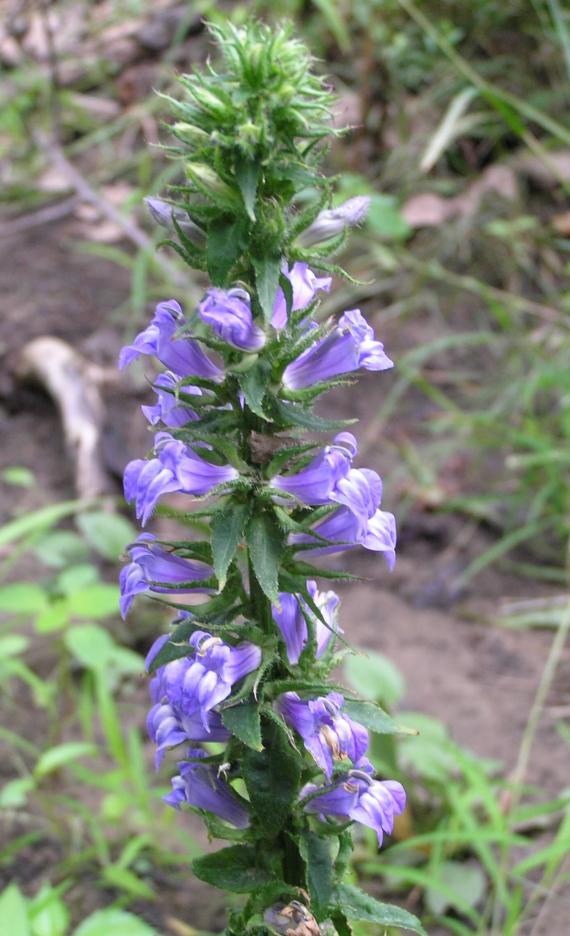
299, 416
356, 905
227, 528
232, 869
267, 272
254, 384
316, 852
226, 241
266, 543
374, 718
247, 175
272, 779
13, 912
243, 721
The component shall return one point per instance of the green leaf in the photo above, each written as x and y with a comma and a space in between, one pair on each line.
62, 754
12, 645
374, 718
385, 219
461, 883
272, 778
77, 577
48, 913
61, 548
243, 721
14, 913
36, 521
299, 416
53, 617
15, 793
227, 529
356, 905
254, 385
247, 175
107, 533
376, 677
128, 881
100, 600
116, 922
267, 271
266, 543
96, 650
316, 851
22, 598
18, 475
226, 241
233, 869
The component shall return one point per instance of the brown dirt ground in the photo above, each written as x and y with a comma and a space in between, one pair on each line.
478, 679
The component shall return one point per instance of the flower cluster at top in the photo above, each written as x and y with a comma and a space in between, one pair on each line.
231, 386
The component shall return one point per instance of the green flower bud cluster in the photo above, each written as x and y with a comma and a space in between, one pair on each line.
247, 134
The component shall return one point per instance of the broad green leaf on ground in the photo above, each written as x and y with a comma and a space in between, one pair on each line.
374, 676
113, 922
14, 913
62, 754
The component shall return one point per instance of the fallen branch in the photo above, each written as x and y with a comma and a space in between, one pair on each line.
74, 385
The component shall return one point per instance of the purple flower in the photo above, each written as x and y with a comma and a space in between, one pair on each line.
359, 521
193, 685
168, 409
182, 355
201, 786
291, 620
359, 797
315, 483
349, 347
333, 221
228, 312
327, 733
176, 468
153, 568
304, 284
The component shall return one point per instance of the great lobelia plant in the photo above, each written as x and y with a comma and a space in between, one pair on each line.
247, 670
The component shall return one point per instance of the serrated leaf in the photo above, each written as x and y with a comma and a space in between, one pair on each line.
227, 529
247, 176
316, 851
266, 543
373, 717
233, 869
299, 416
267, 272
356, 905
226, 241
272, 779
243, 721
254, 385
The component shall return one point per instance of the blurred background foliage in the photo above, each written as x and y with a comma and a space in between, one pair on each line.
459, 131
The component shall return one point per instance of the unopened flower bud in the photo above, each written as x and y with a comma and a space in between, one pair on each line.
190, 134
333, 221
292, 920
210, 183
164, 214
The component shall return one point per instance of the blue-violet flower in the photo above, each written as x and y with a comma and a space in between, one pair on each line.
182, 355
291, 618
200, 786
328, 734
359, 797
349, 347
154, 568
